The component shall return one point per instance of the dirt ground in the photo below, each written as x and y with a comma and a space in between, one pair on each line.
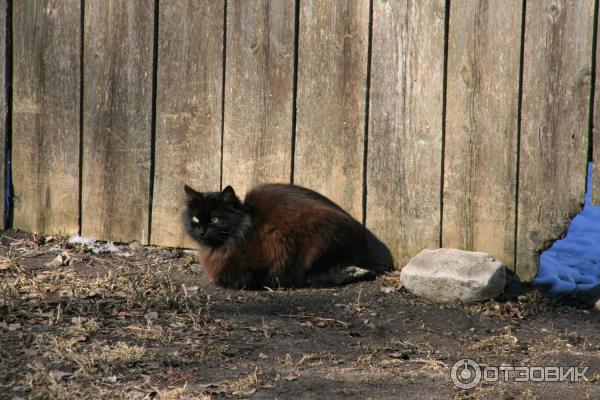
145, 324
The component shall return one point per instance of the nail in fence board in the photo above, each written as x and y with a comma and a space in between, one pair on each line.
188, 111
46, 94
117, 104
258, 93
481, 127
405, 127
331, 92
554, 128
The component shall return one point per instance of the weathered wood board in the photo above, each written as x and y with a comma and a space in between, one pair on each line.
331, 93
480, 164
46, 115
3, 107
257, 138
596, 151
554, 128
188, 108
596, 131
117, 119
405, 125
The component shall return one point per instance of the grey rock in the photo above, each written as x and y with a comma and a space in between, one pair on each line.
446, 275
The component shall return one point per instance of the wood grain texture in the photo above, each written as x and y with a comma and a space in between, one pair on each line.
3, 108
258, 93
405, 127
45, 131
188, 108
554, 129
482, 127
331, 93
117, 103
596, 131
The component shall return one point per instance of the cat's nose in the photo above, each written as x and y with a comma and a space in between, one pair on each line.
201, 231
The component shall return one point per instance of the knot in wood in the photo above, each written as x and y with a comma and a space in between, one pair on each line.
554, 11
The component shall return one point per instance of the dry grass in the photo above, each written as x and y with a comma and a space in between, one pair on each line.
501, 344
81, 330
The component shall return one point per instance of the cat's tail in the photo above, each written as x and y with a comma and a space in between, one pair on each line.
377, 257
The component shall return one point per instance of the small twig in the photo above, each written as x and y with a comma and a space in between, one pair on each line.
345, 325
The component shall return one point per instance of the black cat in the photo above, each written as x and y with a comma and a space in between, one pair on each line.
280, 236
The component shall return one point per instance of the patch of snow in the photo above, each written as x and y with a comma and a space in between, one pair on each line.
85, 240
108, 247
91, 244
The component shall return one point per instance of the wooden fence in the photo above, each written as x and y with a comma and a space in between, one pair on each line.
463, 123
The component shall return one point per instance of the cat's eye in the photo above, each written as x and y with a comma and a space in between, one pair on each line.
214, 220
195, 220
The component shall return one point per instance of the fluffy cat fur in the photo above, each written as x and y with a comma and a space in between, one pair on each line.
280, 236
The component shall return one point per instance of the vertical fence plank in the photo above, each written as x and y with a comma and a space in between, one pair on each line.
117, 103
405, 127
332, 70
188, 110
46, 95
3, 105
481, 127
554, 137
596, 165
596, 128
258, 93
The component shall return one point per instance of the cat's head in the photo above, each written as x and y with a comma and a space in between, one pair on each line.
214, 218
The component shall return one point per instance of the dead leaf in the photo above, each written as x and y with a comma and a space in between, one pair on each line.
132, 327
224, 324
151, 315
208, 385
135, 246
62, 259
59, 375
403, 355
80, 338
392, 277
244, 393
125, 314
14, 327
4, 266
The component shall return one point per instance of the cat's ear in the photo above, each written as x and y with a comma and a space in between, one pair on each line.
192, 194
228, 195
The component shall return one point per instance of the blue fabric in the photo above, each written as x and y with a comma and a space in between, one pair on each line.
572, 264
